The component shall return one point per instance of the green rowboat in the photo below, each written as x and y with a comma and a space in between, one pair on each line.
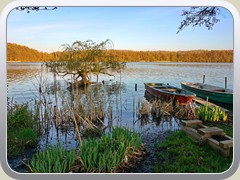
214, 93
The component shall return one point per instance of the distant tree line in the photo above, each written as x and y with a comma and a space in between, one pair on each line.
21, 53
174, 56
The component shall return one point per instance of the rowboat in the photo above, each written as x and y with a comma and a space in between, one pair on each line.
167, 92
214, 93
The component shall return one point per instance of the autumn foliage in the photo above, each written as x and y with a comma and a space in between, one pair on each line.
21, 53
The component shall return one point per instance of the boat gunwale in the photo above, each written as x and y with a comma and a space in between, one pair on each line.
227, 91
186, 94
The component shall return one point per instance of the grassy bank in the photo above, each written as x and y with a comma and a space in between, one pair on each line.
21, 129
179, 154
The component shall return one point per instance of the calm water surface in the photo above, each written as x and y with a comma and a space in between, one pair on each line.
23, 78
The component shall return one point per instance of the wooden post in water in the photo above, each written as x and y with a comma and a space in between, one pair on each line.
225, 82
135, 87
203, 79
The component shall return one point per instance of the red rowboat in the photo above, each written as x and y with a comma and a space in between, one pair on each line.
167, 92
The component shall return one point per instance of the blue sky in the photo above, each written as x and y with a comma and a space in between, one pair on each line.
134, 28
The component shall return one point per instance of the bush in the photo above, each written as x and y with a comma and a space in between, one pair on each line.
19, 116
21, 129
28, 137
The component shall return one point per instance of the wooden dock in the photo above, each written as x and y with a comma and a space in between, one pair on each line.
204, 102
213, 136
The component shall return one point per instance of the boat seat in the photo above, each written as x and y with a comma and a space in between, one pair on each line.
169, 89
219, 90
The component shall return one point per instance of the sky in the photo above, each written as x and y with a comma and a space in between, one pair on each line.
130, 28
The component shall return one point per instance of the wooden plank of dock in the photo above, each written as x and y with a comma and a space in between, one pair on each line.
204, 102
210, 131
191, 122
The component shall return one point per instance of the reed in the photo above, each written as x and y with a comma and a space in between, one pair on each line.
56, 119
59, 109
74, 120
144, 109
161, 108
185, 112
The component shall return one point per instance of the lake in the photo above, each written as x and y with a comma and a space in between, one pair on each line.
23, 80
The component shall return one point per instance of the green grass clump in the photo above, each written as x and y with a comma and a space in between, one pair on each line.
27, 136
179, 154
104, 154
207, 113
108, 152
21, 129
53, 160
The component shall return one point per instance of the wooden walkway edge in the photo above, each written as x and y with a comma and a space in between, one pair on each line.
204, 102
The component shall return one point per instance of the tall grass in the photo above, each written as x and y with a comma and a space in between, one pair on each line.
53, 160
109, 152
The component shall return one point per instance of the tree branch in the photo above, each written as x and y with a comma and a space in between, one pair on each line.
198, 16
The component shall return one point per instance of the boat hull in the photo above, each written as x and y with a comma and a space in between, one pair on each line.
221, 97
181, 98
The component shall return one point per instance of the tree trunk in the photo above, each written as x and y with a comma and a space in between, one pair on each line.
85, 79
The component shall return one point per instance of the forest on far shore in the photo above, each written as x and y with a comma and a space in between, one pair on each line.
20, 53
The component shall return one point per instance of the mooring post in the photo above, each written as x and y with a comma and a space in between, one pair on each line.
135, 87
203, 79
225, 82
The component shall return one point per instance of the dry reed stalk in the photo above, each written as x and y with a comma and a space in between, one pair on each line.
56, 100
65, 111
40, 96
75, 121
85, 120
154, 107
101, 113
61, 116
92, 115
110, 115
134, 103
117, 114
167, 108
144, 108
186, 112
101, 121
